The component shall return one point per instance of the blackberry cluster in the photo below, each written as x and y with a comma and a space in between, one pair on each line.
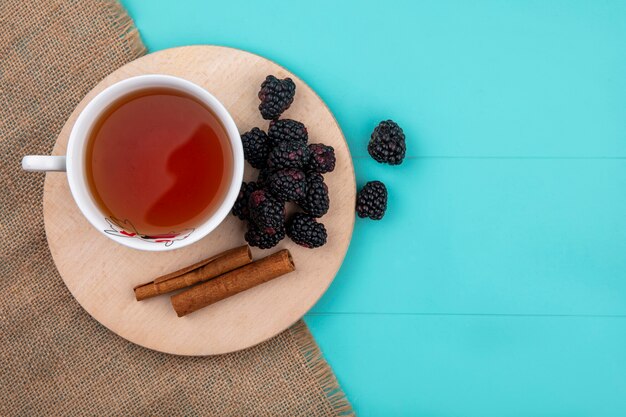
306, 231
322, 158
258, 238
286, 130
263, 177
240, 208
316, 201
276, 96
266, 212
288, 154
288, 184
289, 171
372, 200
387, 143
256, 147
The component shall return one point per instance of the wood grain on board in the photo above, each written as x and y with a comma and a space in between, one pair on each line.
101, 274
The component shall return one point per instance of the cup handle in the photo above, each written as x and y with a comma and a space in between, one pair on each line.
42, 163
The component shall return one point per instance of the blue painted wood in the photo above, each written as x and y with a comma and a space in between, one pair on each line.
486, 78
512, 200
489, 236
477, 366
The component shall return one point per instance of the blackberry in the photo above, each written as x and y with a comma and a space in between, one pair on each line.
306, 231
287, 129
256, 237
322, 158
372, 200
276, 96
266, 212
288, 184
240, 208
316, 201
387, 144
255, 147
263, 178
288, 154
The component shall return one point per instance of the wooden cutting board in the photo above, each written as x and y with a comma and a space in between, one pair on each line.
101, 274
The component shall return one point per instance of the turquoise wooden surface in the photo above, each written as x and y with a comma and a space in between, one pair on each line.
478, 366
496, 284
506, 236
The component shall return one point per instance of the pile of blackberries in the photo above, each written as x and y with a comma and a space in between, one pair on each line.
387, 145
290, 170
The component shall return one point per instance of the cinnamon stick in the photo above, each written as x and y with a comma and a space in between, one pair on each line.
233, 282
193, 274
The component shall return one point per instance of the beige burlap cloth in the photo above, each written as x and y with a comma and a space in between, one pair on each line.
54, 358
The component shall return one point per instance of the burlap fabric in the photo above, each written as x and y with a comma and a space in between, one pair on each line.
54, 358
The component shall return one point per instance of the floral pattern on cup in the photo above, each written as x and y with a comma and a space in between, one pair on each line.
126, 229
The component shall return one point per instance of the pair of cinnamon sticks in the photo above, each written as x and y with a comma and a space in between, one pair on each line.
217, 278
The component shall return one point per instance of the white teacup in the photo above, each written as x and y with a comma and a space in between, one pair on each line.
74, 163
